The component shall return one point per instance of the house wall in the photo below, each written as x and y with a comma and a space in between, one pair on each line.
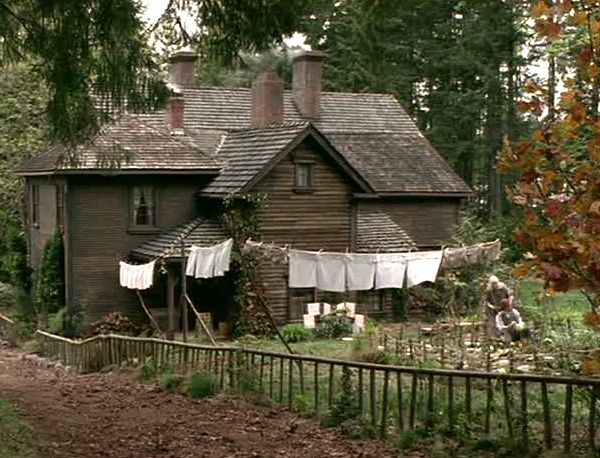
312, 221
430, 221
99, 235
42, 231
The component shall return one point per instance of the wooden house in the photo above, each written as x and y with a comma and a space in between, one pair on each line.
341, 171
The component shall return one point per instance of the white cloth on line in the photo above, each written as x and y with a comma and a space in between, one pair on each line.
422, 266
326, 308
313, 308
390, 270
136, 276
302, 269
209, 262
359, 324
309, 321
348, 307
223, 257
360, 272
331, 272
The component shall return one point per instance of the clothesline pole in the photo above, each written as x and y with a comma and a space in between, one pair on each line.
183, 294
201, 321
152, 320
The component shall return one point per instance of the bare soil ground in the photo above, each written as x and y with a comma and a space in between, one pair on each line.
114, 415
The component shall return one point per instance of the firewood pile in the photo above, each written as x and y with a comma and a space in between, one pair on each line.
116, 323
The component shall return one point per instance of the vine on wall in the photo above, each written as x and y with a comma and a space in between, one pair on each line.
242, 221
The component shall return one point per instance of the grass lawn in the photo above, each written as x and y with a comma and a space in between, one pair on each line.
15, 435
331, 348
564, 306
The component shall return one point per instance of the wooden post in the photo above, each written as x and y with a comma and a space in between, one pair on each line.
290, 381
468, 398
592, 420
384, 404
200, 320
171, 316
316, 381
568, 417
507, 414
547, 418
182, 300
524, 421
272, 363
430, 400
361, 391
450, 404
400, 403
372, 398
331, 381
281, 381
413, 402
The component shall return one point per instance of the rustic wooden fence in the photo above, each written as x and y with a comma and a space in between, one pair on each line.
534, 410
8, 329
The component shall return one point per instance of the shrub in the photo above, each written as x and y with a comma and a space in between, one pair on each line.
67, 322
296, 333
50, 288
170, 382
202, 385
7, 295
332, 326
148, 370
344, 407
301, 403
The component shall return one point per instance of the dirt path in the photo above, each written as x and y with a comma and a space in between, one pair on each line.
113, 415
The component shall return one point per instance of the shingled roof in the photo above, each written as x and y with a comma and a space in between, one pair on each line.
201, 231
247, 155
128, 145
372, 132
377, 232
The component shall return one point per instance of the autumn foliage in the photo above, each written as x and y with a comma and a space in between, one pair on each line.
558, 168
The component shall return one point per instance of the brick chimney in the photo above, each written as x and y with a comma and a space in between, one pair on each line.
267, 100
182, 72
176, 114
306, 83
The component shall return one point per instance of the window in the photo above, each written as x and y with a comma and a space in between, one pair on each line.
304, 175
60, 205
143, 206
299, 297
35, 205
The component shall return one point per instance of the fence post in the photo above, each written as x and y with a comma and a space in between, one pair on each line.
413, 402
524, 425
372, 399
509, 426
450, 404
316, 380
400, 403
568, 416
592, 420
547, 418
384, 404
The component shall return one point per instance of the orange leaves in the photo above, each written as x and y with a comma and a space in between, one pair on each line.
595, 207
540, 9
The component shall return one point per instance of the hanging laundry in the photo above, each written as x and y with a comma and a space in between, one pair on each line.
481, 253
302, 269
360, 272
390, 270
136, 276
331, 272
223, 258
209, 262
422, 266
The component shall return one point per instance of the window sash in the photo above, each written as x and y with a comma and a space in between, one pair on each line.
304, 175
143, 206
35, 204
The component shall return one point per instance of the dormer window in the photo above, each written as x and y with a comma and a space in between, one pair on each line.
143, 205
304, 176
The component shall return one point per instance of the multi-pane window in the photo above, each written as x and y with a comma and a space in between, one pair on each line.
299, 297
60, 205
304, 175
35, 205
143, 206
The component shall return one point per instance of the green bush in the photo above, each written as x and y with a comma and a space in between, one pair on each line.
202, 385
345, 406
148, 370
7, 295
171, 382
50, 288
67, 322
332, 326
293, 333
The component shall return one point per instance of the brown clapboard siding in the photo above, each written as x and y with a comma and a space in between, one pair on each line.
99, 236
311, 221
429, 221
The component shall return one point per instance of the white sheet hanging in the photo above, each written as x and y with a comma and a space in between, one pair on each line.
302, 269
422, 266
136, 276
360, 272
331, 272
390, 270
209, 262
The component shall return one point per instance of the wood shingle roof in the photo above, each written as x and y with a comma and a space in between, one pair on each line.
377, 232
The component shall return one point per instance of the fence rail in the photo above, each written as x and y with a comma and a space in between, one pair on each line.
8, 329
535, 410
